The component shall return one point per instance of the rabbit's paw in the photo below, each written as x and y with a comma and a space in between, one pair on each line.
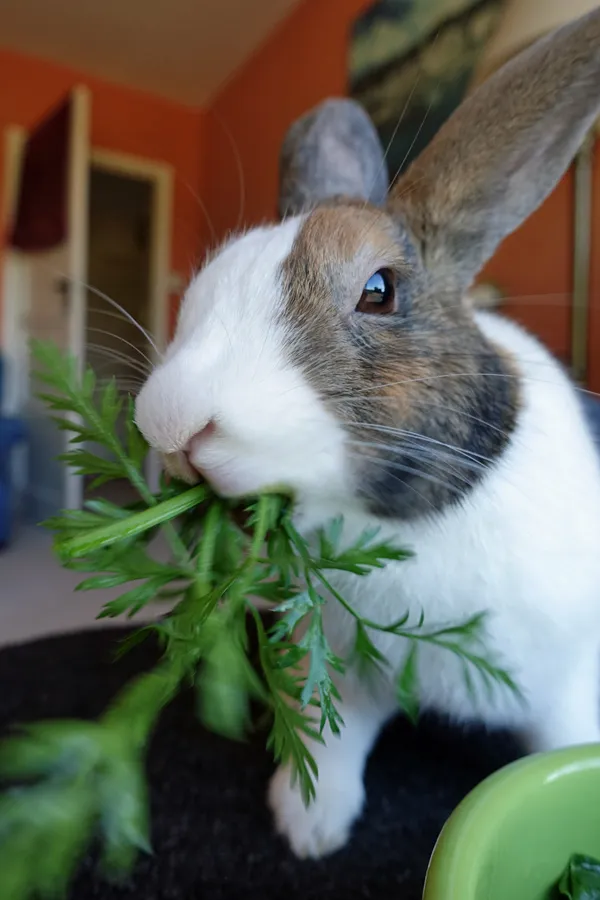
324, 826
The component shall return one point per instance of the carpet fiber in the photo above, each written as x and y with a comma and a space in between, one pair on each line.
212, 834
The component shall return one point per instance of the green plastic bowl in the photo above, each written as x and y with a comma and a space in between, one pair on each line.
512, 837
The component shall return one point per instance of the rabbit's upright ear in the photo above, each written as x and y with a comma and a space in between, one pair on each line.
499, 156
333, 150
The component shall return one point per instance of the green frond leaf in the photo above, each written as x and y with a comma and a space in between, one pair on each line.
407, 685
83, 778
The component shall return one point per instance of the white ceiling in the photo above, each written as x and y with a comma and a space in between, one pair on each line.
181, 49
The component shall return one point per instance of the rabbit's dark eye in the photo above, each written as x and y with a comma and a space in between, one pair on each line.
379, 294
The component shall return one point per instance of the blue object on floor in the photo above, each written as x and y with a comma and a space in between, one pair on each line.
591, 406
12, 432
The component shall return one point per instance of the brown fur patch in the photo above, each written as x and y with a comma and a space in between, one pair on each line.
405, 385
339, 234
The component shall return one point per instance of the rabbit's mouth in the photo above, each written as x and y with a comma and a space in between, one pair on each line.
227, 478
231, 481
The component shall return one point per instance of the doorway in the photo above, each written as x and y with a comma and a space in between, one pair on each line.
119, 293
46, 295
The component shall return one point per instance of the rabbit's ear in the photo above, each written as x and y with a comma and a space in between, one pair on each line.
331, 151
503, 151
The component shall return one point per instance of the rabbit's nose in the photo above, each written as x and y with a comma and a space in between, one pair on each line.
193, 449
197, 441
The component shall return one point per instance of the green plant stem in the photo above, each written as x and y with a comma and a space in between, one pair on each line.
377, 626
432, 637
312, 567
426, 637
133, 474
261, 528
202, 596
136, 709
366, 623
276, 698
158, 514
203, 579
258, 539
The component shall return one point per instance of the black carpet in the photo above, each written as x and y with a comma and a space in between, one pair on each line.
212, 834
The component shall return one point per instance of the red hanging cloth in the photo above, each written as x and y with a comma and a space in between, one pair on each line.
41, 217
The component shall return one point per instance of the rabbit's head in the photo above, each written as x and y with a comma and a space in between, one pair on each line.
332, 354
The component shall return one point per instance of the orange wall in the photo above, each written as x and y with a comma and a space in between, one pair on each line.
594, 295
122, 120
534, 268
305, 60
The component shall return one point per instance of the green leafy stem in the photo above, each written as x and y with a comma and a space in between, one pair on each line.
81, 780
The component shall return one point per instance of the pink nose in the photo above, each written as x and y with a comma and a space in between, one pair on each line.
197, 440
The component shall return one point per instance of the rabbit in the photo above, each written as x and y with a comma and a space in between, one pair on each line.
332, 352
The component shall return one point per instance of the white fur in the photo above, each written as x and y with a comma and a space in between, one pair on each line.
523, 545
227, 363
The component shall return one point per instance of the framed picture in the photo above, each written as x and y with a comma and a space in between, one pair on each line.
411, 62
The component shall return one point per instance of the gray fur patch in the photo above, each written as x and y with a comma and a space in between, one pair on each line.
427, 403
331, 151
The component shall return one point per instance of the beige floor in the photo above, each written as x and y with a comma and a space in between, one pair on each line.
37, 596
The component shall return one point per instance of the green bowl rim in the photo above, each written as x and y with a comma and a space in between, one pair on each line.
451, 874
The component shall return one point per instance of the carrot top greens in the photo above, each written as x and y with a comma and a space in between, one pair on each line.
80, 781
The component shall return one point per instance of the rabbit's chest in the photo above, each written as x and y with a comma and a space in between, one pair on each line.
527, 577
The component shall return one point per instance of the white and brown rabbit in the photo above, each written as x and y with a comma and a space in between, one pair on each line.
333, 353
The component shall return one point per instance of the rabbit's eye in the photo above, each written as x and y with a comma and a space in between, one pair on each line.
379, 295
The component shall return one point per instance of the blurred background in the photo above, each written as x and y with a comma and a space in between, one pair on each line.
134, 136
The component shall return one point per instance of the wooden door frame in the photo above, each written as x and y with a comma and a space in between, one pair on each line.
160, 176
15, 266
14, 277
